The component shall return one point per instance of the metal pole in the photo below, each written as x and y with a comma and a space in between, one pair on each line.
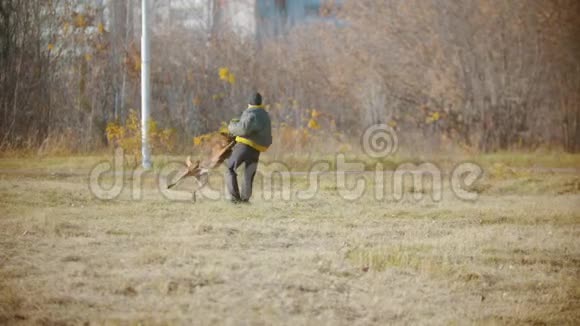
145, 85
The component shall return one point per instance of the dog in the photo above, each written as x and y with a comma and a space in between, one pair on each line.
221, 149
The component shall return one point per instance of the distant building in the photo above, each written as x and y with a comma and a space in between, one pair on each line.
260, 18
211, 16
275, 17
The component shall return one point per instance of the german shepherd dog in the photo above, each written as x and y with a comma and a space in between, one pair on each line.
220, 149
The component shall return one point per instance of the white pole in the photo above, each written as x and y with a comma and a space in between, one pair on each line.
145, 85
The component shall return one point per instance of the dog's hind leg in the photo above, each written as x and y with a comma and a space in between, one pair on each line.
202, 180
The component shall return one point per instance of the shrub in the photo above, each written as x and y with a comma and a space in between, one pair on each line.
128, 136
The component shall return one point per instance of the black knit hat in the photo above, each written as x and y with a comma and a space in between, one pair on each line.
256, 99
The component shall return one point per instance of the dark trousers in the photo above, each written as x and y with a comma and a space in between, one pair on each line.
242, 154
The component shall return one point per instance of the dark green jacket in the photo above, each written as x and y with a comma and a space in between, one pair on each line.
254, 128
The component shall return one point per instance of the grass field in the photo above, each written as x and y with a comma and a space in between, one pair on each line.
510, 257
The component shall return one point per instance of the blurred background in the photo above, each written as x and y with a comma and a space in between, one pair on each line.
470, 76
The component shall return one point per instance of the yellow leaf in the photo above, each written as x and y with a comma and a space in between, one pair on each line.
224, 73
315, 114
312, 124
80, 21
101, 28
231, 79
50, 47
433, 117
89, 57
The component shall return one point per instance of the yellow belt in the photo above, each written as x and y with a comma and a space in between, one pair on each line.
252, 144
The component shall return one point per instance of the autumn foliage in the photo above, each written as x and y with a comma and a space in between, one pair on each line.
128, 136
480, 75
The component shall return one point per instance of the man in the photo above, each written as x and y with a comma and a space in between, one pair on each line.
253, 132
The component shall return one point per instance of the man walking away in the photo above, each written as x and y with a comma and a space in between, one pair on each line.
253, 132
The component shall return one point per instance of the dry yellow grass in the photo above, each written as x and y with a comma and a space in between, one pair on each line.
511, 257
